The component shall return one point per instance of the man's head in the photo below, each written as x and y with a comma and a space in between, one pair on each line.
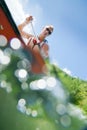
49, 28
46, 31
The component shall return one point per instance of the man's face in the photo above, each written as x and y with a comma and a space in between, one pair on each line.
46, 32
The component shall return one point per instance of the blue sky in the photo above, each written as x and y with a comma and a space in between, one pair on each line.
68, 43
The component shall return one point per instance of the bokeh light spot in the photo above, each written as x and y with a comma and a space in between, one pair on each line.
61, 109
21, 102
41, 84
34, 113
51, 82
24, 86
65, 120
28, 111
15, 43
3, 84
3, 41
4, 59
22, 73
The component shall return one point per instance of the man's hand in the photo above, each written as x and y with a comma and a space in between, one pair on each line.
29, 19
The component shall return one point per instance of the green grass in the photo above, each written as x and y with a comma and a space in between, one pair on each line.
76, 87
42, 101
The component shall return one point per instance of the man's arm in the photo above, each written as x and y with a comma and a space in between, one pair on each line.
22, 25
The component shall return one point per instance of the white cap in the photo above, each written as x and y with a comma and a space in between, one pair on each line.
50, 27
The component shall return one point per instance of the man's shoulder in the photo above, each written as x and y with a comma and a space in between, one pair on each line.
45, 41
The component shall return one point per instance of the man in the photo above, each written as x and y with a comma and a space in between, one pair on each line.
37, 40
38, 45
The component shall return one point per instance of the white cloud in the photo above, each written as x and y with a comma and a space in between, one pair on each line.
54, 62
67, 71
20, 9
16, 10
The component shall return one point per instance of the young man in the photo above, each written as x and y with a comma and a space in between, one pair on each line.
39, 40
38, 45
